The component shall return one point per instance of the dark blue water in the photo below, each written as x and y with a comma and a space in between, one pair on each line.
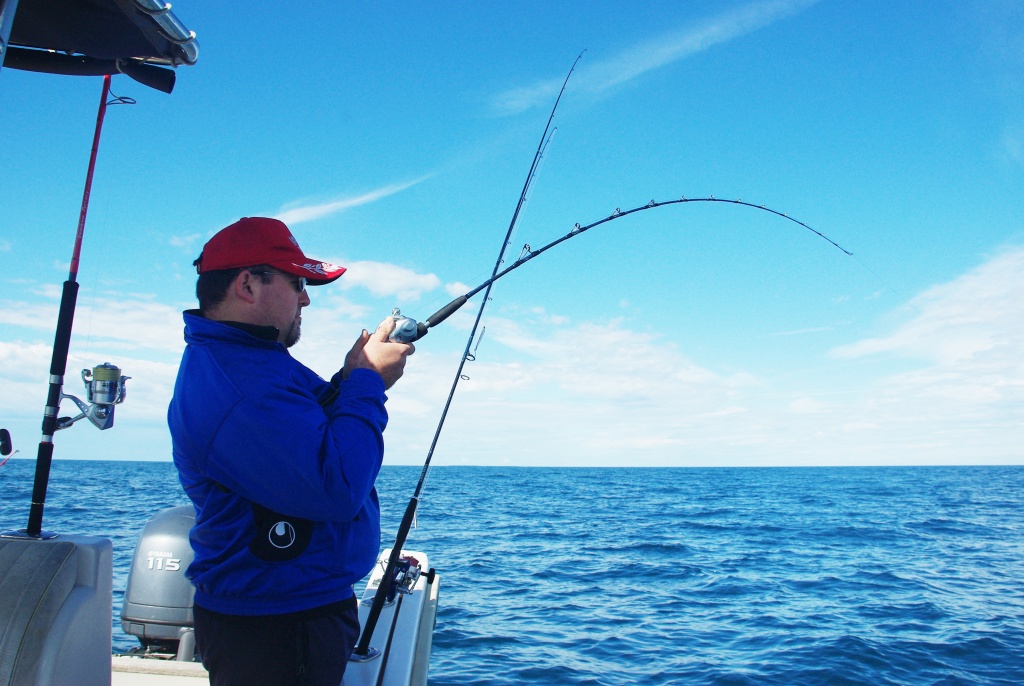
670, 576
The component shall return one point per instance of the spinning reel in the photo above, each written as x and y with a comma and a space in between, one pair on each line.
104, 388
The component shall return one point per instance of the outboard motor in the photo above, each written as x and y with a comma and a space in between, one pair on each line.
158, 600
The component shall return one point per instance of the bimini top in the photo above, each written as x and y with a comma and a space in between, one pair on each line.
96, 37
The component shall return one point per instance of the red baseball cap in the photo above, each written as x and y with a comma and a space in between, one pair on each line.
259, 240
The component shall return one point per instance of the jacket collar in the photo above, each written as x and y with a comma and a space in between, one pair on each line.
264, 333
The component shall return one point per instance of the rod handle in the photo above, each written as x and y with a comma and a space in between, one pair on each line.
446, 311
363, 647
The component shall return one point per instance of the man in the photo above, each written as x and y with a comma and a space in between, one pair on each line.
279, 464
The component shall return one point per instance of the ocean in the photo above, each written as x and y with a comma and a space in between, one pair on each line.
844, 575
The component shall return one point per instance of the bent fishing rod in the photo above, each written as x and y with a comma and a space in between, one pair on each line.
390, 582
408, 330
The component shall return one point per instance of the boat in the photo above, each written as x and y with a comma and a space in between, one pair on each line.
56, 590
157, 609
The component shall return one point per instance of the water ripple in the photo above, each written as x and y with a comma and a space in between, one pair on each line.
908, 576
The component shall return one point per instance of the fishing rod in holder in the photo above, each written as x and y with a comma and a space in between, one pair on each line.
104, 384
408, 330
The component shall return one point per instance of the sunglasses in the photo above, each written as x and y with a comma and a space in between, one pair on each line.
297, 282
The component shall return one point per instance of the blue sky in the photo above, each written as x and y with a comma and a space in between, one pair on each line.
395, 138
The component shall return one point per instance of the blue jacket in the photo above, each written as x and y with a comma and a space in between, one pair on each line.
280, 466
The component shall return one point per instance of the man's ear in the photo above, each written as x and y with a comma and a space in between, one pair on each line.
245, 285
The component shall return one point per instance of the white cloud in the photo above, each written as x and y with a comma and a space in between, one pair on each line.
601, 393
970, 334
520, 99
384, 279
977, 315
456, 289
586, 360
663, 50
136, 333
30, 316
807, 406
26, 382
26, 368
186, 242
586, 394
802, 332
297, 215
120, 324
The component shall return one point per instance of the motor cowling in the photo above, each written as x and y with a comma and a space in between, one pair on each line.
157, 605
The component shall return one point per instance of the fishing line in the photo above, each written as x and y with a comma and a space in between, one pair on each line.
104, 222
908, 302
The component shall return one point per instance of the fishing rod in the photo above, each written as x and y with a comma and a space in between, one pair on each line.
408, 330
391, 578
104, 384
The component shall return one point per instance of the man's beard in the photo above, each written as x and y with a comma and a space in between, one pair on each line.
293, 334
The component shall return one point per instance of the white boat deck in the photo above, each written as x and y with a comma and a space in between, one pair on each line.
135, 671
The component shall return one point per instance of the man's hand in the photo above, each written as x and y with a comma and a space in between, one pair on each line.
374, 351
